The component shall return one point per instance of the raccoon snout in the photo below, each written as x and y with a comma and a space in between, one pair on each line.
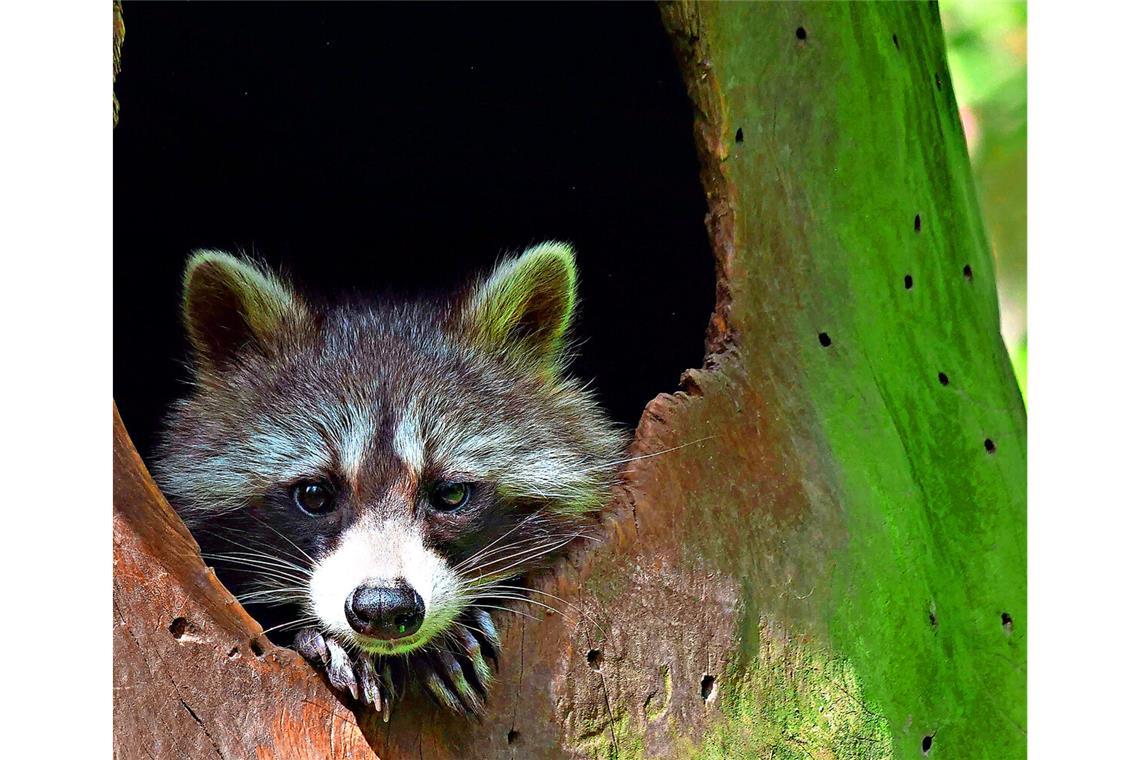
384, 611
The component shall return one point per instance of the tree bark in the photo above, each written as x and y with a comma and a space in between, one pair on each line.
822, 552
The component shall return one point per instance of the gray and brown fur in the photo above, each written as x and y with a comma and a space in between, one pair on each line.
383, 400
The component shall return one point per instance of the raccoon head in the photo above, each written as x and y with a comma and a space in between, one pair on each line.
378, 469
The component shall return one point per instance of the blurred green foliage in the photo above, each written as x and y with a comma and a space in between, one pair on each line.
986, 49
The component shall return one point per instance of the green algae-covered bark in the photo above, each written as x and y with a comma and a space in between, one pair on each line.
860, 278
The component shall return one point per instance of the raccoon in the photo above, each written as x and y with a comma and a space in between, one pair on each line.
378, 476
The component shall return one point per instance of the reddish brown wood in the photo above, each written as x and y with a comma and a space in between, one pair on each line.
194, 676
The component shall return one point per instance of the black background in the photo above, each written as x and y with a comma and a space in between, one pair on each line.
403, 147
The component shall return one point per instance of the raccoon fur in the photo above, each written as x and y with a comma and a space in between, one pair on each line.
379, 476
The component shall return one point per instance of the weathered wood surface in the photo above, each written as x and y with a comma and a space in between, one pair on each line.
834, 566
194, 677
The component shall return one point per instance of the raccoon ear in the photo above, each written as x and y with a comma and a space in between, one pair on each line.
525, 306
230, 303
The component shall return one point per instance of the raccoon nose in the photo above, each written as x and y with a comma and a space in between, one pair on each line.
384, 611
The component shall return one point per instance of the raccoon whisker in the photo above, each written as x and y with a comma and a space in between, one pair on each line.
516, 598
504, 609
275, 575
291, 542
262, 566
275, 557
273, 551
263, 579
627, 460
276, 553
486, 561
252, 557
266, 582
528, 541
266, 594
533, 553
299, 622
269, 601
274, 586
488, 547
554, 597
282, 592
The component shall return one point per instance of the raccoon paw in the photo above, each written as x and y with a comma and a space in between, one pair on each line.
442, 675
356, 675
459, 680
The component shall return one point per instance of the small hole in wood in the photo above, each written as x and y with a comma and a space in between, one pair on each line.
917, 223
1006, 622
233, 653
801, 34
178, 627
708, 687
942, 378
512, 736
908, 282
990, 447
256, 648
824, 340
740, 134
594, 659
967, 272
927, 743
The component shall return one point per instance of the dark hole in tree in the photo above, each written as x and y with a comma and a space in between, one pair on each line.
233, 653
1006, 622
801, 33
512, 736
256, 648
707, 684
967, 272
908, 282
942, 378
594, 659
917, 223
178, 627
740, 134
927, 743
990, 447
895, 39
824, 340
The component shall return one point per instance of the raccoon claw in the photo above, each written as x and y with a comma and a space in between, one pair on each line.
456, 678
376, 690
488, 633
450, 690
474, 653
311, 645
329, 656
340, 671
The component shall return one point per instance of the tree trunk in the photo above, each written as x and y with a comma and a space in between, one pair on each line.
833, 564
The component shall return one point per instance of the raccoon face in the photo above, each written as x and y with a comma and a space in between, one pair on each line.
377, 470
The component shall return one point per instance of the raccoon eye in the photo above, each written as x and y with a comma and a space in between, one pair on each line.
314, 497
446, 497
